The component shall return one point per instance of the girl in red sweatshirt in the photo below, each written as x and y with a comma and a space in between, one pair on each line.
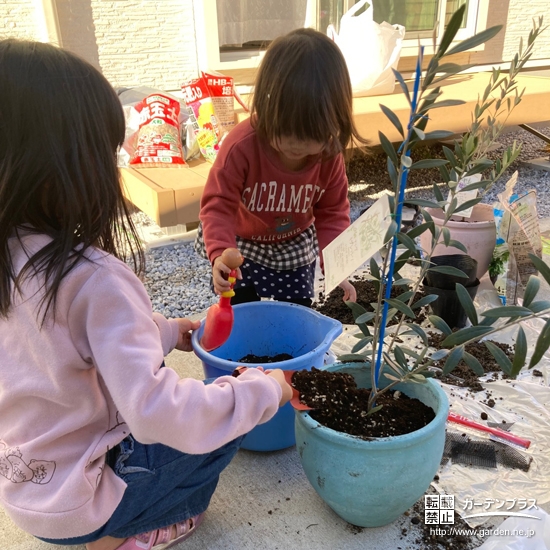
278, 188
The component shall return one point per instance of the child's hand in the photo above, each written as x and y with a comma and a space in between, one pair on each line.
279, 375
184, 338
350, 294
220, 272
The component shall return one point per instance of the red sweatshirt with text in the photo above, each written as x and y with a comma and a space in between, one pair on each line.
251, 194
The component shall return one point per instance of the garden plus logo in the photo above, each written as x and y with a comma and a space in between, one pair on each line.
440, 509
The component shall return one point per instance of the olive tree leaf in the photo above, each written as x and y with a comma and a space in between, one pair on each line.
393, 119
440, 324
424, 301
520, 352
508, 311
400, 306
448, 270
467, 303
475, 40
543, 342
465, 334
531, 290
539, 305
453, 359
541, 266
428, 163
500, 357
473, 363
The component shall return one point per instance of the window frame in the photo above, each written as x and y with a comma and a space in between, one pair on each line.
209, 56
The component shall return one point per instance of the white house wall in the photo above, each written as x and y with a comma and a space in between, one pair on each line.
153, 42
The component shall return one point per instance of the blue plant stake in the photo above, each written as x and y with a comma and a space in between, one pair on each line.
387, 278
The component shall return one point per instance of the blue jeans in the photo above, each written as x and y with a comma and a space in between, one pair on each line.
164, 486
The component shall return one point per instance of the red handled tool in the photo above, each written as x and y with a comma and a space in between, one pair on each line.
219, 318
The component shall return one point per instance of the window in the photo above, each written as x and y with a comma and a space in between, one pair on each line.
232, 34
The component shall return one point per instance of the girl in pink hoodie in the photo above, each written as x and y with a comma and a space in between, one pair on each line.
99, 445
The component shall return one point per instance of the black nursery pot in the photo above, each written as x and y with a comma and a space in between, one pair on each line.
465, 263
448, 306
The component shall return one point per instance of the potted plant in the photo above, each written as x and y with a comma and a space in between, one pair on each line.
469, 160
369, 480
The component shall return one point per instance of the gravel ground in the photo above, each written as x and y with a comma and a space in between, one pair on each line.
177, 279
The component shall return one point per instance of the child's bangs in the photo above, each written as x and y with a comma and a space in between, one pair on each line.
305, 120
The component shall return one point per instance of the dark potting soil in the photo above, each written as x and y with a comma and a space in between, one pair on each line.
261, 359
462, 375
333, 306
342, 406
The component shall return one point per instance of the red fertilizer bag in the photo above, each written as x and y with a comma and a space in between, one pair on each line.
158, 138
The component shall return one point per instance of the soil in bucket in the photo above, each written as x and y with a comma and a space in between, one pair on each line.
340, 405
261, 359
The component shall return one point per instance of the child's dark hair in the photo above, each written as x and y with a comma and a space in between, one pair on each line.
303, 89
61, 123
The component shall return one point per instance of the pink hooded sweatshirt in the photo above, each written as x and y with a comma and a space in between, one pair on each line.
76, 387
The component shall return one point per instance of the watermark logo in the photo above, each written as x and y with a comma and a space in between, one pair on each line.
440, 509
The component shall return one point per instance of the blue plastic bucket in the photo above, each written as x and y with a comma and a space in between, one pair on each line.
269, 328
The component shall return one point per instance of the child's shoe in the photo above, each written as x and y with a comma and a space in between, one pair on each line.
159, 539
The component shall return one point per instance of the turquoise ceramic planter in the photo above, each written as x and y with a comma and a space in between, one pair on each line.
268, 328
371, 483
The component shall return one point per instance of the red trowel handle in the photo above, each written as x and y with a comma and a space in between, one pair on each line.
219, 319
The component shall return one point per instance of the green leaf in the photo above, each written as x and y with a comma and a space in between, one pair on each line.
361, 344
467, 303
374, 269
543, 342
531, 290
446, 235
365, 317
482, 184
424, 203
392, 172
438, 135
392, 230
449, 270
404, 88
500, 357
408, 242
463, 335
419, 331
443, 103
453, 359
400, 356
393, 119
541, 266
473, 363
403, 308
418, 230
428, 163
437, 193
356, 309
424, 301
467, 204
475, 40
388, 148
450, 31
439, 354
440, 324
520, 352
459, 245
539, 305
508, 311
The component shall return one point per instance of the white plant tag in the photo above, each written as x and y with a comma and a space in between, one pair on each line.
360, 241
465, 196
